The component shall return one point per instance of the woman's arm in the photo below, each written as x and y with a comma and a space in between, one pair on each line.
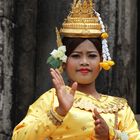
39, 123
127, 126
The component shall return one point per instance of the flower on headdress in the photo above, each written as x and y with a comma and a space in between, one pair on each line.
106, 65
57, 57
104, 35
107, 62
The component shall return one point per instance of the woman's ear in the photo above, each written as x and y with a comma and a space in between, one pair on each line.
64, 66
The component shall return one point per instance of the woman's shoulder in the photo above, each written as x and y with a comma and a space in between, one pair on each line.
115, 103
116, 99
48, 95
49, 92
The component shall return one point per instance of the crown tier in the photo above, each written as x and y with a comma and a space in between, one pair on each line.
82, 26
83, 33
82, 21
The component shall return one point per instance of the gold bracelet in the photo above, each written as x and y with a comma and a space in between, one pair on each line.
55, 117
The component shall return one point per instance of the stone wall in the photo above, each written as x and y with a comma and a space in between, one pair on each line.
6, 69
24, 57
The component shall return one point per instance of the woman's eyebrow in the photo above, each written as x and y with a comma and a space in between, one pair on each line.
77, 52
87, 52
92, 52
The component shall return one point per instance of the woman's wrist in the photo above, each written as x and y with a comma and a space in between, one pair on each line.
60, 111
56, 118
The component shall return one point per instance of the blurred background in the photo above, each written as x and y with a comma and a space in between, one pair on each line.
27, 36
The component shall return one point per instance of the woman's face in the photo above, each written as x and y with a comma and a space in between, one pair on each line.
83, 63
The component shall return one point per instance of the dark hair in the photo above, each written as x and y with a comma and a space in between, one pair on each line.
72, 43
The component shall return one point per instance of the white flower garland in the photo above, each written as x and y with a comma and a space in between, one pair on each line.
105, 50
60, 53
121, 135
57, 58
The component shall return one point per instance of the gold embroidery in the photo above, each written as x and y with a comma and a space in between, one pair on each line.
83, 128
105, 105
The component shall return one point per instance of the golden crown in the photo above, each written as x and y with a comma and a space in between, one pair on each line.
82, 21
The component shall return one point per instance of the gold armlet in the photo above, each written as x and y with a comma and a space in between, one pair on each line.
55, 117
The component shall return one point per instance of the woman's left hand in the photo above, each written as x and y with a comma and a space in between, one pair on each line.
101, 127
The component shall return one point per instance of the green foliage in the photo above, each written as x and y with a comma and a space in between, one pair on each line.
53, 62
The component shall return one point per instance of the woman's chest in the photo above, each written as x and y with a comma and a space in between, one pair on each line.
79, 125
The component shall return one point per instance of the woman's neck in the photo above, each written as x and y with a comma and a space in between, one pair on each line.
89, 89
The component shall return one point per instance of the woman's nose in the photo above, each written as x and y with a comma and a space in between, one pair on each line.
84, 61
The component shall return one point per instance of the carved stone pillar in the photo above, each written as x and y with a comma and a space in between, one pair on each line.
6, 69
24, 57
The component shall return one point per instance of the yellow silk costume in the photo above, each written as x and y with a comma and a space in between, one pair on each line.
78, 124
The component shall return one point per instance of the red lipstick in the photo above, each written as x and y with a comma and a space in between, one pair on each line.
84, 70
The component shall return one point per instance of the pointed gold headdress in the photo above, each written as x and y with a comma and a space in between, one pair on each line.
83, 21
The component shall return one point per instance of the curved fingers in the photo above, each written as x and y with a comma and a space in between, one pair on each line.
101, 127
57, 76
73, 88
60, 76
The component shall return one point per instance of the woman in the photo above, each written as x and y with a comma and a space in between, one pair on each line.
78, 111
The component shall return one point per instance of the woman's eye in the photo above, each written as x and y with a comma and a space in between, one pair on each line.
92, 55
75, 55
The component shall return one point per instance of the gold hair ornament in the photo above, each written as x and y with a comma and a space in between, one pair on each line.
58, 56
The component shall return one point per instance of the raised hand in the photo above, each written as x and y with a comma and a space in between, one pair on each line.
101, 127
65, 97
